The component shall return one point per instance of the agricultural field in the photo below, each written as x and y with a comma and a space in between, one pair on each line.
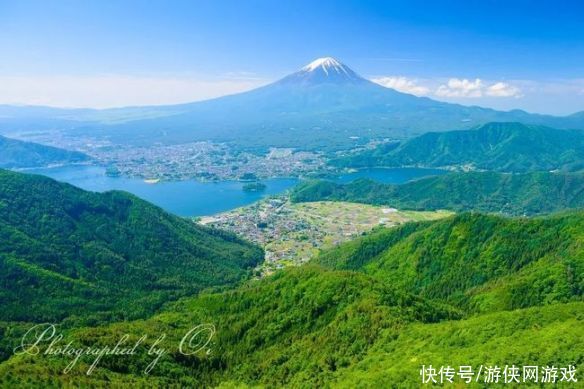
292, 233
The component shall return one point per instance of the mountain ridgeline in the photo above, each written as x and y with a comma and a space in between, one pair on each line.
478, 263
510, 194
18, 154
506, 147
68, 253
323, 106
371, 312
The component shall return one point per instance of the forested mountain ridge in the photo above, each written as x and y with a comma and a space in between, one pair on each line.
264, 329
496, 146
511, 194
18, 154
476, 262
471, 289
65, 252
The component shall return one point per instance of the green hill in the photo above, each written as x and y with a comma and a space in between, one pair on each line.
543, 336
476, 262
511, 194
506, 147
18, 154
68, 253
468, 290
294, 328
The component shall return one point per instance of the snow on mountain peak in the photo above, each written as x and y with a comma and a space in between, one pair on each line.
326, 64
326, 70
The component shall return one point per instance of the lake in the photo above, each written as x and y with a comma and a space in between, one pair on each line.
195, 198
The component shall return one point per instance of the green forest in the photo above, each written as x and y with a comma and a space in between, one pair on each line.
68, 254
469, 289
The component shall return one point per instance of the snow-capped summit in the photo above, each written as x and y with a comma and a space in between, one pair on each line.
326, 63
326, 70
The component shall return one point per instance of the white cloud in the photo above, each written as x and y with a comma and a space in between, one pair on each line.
503, 89
457, 87
402, 84
550, 96
453, 88
104, 91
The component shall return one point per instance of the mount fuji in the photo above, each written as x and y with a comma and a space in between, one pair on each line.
324, 105
325, 70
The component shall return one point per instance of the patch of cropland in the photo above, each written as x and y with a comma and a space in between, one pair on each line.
511, 194
292, 233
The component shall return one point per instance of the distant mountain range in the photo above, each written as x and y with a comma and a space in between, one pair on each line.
510, 194
325, 105
18, 154
507, 147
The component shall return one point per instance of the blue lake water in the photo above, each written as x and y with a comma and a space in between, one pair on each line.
194, 198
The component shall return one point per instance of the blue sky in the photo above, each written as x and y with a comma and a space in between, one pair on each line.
503, 54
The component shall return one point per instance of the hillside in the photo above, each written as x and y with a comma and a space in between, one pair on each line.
472, 289
265, 329
68, 253
505, 147
19, 154
477, 263
511, 194
544, 336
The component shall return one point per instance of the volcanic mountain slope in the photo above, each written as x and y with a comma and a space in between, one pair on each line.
325, 105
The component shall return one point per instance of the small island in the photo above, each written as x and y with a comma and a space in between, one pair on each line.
254, 187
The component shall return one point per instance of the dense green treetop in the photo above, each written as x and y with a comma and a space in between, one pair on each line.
67, 252
478, 263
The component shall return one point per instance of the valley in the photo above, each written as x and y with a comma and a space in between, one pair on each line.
293, 233
324, 230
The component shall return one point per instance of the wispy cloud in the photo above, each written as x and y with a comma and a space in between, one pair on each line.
553, 96
403, 84
457, 87
503, 89
452, 88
